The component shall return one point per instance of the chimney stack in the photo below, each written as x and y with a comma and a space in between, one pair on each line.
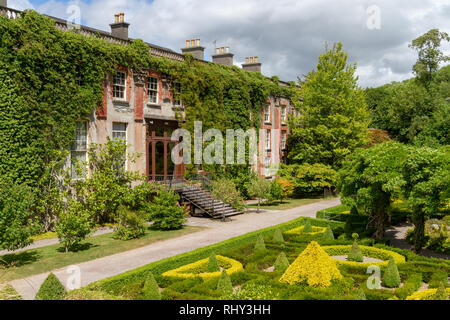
119, 28
193, 47
4, 3
252, 64
223, 56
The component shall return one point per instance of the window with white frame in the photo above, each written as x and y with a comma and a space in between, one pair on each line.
283, 140
176, 94
267, 113
78, 154
268, 147
283, 114
119, 86
119, 131
152, 90
267, 167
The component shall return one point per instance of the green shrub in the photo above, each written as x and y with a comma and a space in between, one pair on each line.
130, 224
412, 284
165, 211
282, 263
308, 227
361, 294
224, 286
9, 293
441, 293
391, 278
278, 236
260, 244
213, 265
437, 278
51, 289
151, 288
89, 295
355, 253
328, 235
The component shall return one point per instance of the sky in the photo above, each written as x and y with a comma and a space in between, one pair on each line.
287, 35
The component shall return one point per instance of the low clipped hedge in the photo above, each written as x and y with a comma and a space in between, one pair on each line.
117, 284
377, 253
299, 231
198, 269
425, 294
337, 213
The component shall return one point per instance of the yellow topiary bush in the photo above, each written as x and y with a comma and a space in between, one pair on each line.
198, 269
299, 231
314, 266
425, 294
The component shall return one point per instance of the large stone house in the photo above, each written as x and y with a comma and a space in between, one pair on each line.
142, 109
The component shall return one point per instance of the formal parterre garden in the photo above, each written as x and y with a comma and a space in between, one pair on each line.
298, 260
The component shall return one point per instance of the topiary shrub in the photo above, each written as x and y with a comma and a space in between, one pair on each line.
224, 286
260, 244
391, 278
9, 293
313, 266
151, 288
308, 228
51, 289
278, 236
328, 235
441, 293
213, 265
355, 253
282, 263
361, 295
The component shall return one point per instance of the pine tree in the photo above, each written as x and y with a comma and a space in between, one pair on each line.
213, 265
278, 236
391, 278
260, 244
308, 227
282, 263
224, 286
151, 288
328, 235
51, 289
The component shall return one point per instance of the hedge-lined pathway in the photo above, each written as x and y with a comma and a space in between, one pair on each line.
106, 267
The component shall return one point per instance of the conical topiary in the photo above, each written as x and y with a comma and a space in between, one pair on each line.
278, 236
213, 265
314, 266
51, 289
328, 235
361, 294
355, 253
151, 288
9, 293
282, 263
260, 244
224, 286
391, 278
307, 228
441, 293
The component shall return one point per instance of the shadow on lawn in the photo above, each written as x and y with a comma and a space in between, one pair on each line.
78, 248
18, 259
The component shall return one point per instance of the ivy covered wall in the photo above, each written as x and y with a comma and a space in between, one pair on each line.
49, 79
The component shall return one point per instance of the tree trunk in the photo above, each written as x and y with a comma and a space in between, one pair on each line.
259, 202
379, 224
419, 232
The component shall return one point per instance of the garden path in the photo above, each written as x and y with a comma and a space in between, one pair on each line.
102, 268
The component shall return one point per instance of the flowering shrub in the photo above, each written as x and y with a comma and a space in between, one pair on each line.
372, 252
199, 269
314, 266
299, 230
425, 294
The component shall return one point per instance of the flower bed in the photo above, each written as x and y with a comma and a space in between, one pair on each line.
198, 269
299, 231
425, 294
371, 252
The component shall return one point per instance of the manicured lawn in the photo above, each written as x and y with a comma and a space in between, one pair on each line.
286, 204
40, 260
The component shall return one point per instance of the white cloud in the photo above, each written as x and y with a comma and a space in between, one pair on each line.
287, 35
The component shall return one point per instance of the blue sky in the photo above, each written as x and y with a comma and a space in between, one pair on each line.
286, 35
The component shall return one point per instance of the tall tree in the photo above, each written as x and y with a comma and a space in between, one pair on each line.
430, 54
334, 119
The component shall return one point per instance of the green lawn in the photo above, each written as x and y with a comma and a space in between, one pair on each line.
287, 204
40, 260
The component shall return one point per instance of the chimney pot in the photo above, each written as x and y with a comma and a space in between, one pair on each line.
251, 59
192, 43
227, 49
217, 50
188, 43
256, 59
122, 17
198, 42
246, 60
116, 18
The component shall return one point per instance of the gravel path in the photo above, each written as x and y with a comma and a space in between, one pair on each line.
102, 268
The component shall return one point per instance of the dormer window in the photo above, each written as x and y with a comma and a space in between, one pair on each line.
119, 85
